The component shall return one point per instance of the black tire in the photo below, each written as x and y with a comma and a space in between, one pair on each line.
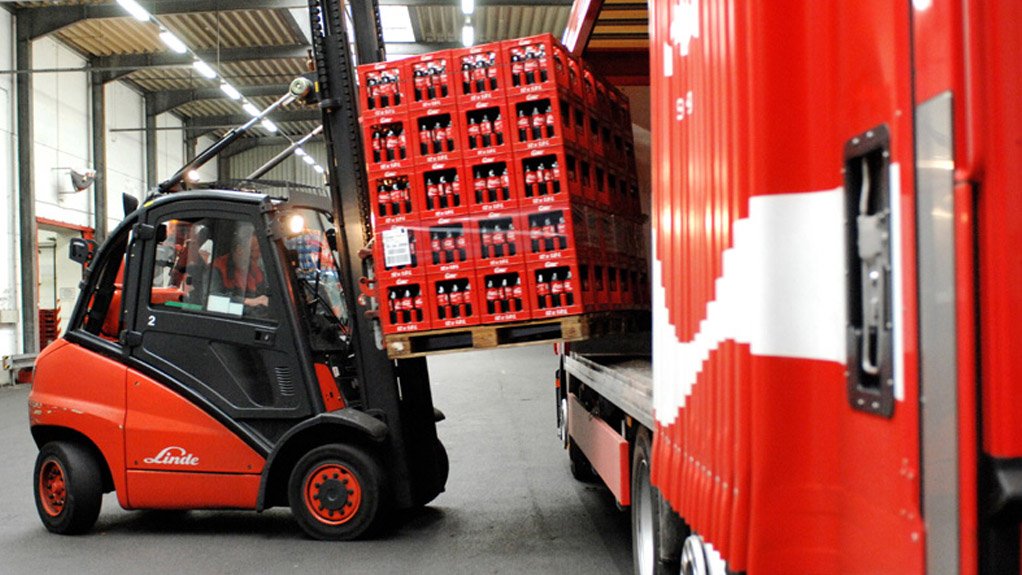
657, 532
337, 492
68, 487
579, 464
443, 464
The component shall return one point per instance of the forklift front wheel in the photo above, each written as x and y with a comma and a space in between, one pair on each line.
335, 492
68, 488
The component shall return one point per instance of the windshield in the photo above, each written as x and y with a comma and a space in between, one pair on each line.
315, 266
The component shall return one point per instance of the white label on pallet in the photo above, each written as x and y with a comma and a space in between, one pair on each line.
397, 251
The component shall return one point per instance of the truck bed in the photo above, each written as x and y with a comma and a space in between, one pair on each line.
619, 369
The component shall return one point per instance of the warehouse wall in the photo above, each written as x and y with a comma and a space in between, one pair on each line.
8, 195
292, 169
125, 151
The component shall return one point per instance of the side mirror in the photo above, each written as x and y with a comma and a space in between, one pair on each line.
81, 250
331, 238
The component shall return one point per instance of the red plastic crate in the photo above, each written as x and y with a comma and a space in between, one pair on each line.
432, 77
485, 128
535, 63
542, 119
480, 72
597, 133
397, 251
557, 290
403, 305
550, 232
499, 239
382, 89
387, 142
395, 196
442, 189
547, 175
436, 135
504, 294
454, 299
448, 244
492, 180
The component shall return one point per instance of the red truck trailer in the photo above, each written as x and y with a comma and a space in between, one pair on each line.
834, 385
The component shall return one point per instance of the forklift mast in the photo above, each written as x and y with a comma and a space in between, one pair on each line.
397, 391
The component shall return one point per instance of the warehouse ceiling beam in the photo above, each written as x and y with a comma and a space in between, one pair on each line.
199, 123
45, 20
416, 48
119, 65
168, 100
246, 144
479, 3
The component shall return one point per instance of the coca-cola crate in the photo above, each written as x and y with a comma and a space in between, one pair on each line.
382, 89
398, 250
550, 232
620, 109
535, 63
504, 294
454, 299
387, 142
480, 72
597, 134
436, 135
403, 305
395, 195
499, 239
600, 185
617, 187
583, 169
542, 119
548, 175
492, 182
485, 128
448, 245
594, 91
433, 77
557, 289
442, 187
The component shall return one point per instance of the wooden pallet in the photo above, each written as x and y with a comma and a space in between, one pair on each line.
569, 328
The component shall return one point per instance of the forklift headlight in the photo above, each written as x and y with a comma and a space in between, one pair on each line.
295, 224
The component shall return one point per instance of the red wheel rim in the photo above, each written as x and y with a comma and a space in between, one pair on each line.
332, 494
52, 487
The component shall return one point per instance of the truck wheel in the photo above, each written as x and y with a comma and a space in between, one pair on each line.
68, 487
443, 464
336, 492
653, 527
580, 467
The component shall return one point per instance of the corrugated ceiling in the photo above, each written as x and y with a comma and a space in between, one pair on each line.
444, 23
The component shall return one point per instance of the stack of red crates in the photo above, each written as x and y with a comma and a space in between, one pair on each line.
504, 187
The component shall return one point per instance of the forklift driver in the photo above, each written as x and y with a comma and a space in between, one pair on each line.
240, 274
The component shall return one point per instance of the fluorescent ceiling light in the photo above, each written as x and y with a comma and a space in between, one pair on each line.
204, 69
193, 176
468, 6
230, 90
468, 35
173, 42
397, 24
135, 10
299, 152
308, 160
252, 110
318, 168
270, 126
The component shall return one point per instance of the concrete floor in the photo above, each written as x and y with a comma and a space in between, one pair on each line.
511, 505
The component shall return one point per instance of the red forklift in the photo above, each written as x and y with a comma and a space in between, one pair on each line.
217, 357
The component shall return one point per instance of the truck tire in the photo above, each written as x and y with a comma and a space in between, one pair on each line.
68, 487
654, 526
579, 464
336, 492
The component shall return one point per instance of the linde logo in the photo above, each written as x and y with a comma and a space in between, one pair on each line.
173, 455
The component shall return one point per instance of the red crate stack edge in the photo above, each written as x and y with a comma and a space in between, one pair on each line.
504, 188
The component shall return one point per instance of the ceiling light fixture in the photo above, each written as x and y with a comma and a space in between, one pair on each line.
299, 152
135, 10
309, 160
270, 126
173, 42
468, 34
204, 69
468, 6
318, 168
252, 110
230, 90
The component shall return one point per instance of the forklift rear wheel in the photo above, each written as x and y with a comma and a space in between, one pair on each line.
68, 487
335, 492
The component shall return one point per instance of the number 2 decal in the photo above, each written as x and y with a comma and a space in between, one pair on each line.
152, 321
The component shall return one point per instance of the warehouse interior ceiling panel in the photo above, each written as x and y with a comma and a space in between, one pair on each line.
260, 45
